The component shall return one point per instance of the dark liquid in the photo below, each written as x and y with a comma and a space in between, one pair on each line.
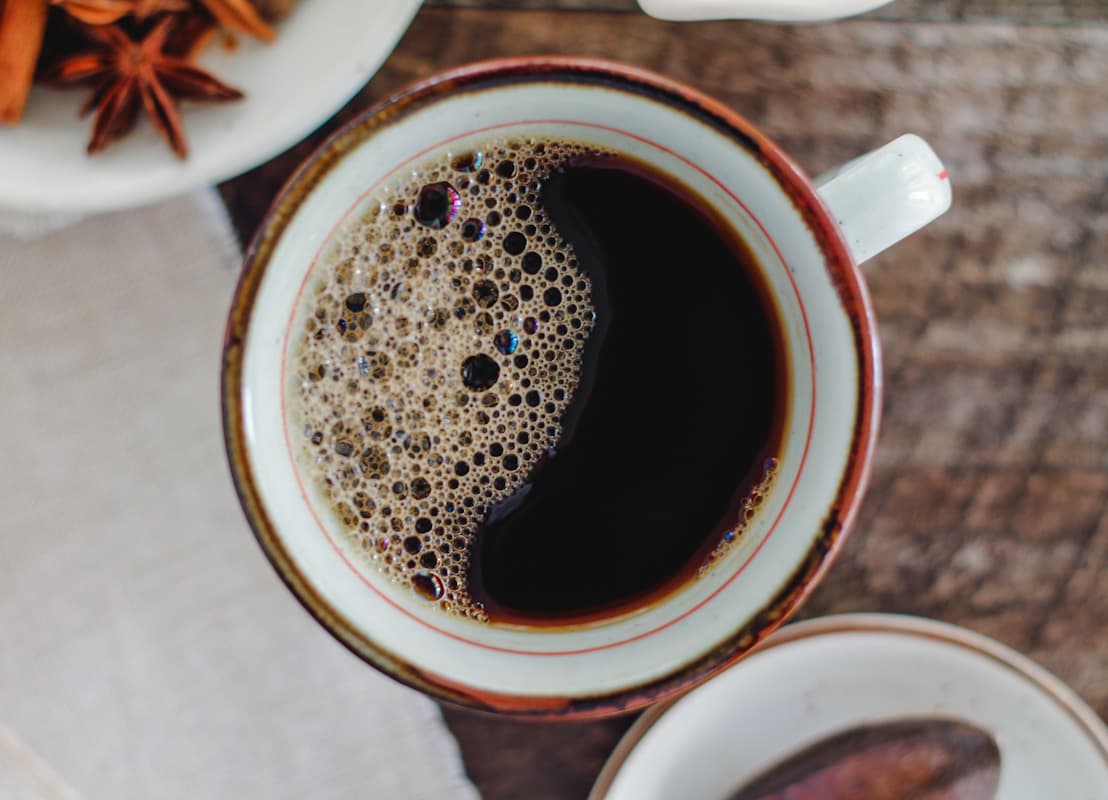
681, 397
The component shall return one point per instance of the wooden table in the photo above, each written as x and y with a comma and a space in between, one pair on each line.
989, 501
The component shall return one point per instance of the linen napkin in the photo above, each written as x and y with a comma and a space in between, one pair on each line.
147, 650
25, 776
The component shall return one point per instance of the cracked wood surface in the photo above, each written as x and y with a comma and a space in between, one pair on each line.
989, 500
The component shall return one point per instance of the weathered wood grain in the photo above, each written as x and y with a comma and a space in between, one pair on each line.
989, 500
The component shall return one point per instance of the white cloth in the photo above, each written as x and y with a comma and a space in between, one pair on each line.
25, 776
147, 649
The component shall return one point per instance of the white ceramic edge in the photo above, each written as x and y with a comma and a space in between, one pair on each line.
48, 171
1065, 696
636, 662
1089, 723
779, 10
886, 195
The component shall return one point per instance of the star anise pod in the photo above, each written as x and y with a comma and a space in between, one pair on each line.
104, 12
131, 75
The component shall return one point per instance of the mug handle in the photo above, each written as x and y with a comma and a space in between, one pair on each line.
774, 10
885, 195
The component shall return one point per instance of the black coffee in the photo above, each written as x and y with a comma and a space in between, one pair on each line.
540, 384
674, 416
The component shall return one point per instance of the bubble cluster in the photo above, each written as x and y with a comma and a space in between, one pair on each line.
441, 346
748, 508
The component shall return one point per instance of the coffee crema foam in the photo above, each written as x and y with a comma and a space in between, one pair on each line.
442, 345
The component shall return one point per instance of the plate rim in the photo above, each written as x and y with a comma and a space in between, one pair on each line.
1086, 720
24, 198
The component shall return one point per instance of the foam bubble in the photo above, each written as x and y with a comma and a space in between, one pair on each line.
441, 348
748, 508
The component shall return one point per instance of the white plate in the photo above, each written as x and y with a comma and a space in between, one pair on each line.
817, 678
325, 52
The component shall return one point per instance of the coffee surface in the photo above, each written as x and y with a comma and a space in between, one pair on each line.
537, 382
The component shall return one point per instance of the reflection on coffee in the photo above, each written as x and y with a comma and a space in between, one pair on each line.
538, 383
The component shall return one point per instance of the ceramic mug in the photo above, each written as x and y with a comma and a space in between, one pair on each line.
809, 237
779, 10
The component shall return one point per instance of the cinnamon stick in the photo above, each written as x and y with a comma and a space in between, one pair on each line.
22, 25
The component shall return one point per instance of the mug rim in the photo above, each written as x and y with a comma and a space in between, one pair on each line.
844, 273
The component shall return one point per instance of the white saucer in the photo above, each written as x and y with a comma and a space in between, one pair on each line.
325, 51
816, 678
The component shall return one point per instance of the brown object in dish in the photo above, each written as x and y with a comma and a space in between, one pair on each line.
273, 10
22, 25
925, 759
137, 74
239, 16
105, 12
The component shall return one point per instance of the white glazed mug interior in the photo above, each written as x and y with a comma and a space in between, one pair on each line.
627, 661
